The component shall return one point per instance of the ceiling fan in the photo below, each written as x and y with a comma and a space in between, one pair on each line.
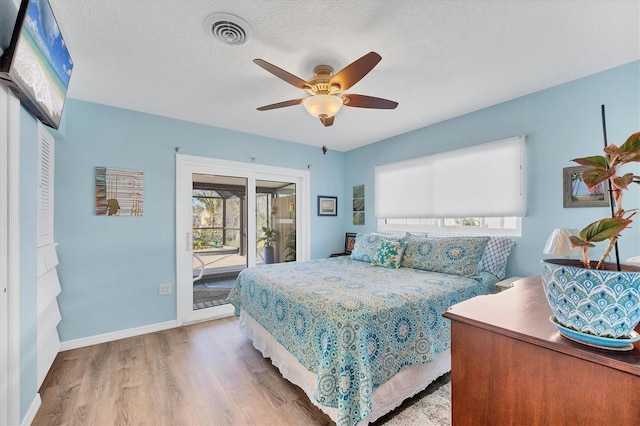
325, 88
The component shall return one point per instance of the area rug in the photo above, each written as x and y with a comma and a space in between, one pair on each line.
210, 294
433, 409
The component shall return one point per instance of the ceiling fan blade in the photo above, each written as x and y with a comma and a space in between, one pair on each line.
282, 74
352, 73
281, 104
327, 121
363, 101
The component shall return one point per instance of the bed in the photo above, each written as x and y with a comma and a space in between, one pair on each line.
360, 334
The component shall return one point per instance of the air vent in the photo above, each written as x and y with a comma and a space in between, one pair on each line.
228, 28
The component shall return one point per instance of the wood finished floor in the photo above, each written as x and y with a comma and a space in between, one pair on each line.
202, 374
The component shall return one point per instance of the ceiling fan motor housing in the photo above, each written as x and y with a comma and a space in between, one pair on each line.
322, 75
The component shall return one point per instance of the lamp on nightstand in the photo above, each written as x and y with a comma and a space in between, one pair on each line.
558, 243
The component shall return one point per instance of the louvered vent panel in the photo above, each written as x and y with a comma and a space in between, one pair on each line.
45, 187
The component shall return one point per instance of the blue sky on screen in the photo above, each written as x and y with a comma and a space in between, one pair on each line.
42, 25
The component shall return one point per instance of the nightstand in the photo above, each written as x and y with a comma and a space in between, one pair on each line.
339, 254
507, 283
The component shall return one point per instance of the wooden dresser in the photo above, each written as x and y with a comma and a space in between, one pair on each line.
510, 366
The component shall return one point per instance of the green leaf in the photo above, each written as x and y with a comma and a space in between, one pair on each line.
604, 229
577, 242
611, 149
597, 161
594, 177
629, 157
623, 181
630, 150
632, 145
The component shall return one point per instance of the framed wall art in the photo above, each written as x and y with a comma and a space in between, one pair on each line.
119, 192
576, 193
327, 206
358, 205
349, 241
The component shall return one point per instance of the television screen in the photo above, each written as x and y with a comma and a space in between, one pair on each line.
37, 63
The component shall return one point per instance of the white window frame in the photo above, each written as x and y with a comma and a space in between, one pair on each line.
441, 229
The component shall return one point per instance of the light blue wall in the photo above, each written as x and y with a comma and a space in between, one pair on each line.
560, 123
110, 267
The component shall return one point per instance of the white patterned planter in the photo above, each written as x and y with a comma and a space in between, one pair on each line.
604, 303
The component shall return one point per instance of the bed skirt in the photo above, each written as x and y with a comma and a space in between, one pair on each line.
386, 397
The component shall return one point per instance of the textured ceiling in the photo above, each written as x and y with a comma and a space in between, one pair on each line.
440, 59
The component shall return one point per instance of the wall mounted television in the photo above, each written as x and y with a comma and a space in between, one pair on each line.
37, 65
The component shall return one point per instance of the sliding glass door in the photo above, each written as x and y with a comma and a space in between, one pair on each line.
219, 204
275, 218
231, 216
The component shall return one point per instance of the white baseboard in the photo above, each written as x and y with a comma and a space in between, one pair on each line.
116, 335
202, 315
33, 410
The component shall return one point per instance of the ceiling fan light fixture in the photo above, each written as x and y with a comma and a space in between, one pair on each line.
322, 105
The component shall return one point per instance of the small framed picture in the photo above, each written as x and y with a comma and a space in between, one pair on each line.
576, 193
349, 241
327, 206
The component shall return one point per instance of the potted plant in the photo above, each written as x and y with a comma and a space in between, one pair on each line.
596, 302
290, 246
268, 238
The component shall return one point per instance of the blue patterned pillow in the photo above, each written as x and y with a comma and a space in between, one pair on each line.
389, 254
456, 256
496, 253
365, 246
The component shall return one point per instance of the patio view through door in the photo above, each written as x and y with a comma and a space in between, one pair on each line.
220, 231
219, 236
231, 216
275, 218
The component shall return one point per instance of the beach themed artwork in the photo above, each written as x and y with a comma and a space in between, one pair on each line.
119, 192
42, 65
576, 193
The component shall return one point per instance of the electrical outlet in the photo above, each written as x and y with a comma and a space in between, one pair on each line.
164, 289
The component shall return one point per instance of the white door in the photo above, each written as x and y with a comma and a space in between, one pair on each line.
9, 257
208, 191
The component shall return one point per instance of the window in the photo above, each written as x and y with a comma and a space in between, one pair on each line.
216, 217
479, 189
466, 225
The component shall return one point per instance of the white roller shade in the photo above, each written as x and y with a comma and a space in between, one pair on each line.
484, 180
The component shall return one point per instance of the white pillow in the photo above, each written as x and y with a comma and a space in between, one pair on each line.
389, 254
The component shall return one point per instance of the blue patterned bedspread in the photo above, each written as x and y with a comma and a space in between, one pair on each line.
353, 324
